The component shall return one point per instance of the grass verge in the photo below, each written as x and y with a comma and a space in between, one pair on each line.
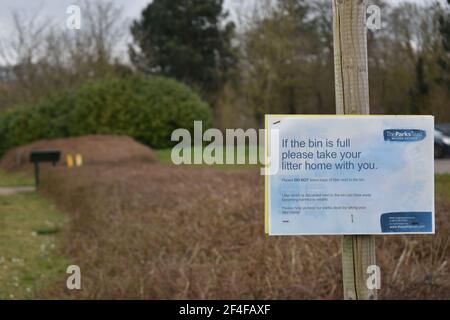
442, 182
15, 179
29, 259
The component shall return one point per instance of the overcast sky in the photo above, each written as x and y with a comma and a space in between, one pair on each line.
56, 9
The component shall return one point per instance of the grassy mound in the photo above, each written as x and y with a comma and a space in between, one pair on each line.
94, 149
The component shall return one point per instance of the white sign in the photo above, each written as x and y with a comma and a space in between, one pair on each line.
349, 175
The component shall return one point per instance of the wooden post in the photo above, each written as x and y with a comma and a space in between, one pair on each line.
36, 173
352, 97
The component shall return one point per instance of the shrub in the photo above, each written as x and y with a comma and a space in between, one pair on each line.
147, 109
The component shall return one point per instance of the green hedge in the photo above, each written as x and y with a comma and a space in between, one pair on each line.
147, 109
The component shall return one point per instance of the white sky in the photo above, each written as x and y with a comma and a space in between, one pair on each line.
56, 9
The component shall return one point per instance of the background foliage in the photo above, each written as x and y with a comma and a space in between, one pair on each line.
147, 109
188, 40
277, 58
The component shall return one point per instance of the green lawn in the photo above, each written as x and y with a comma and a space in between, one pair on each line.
442, 187
29, 232
15, 179
163, 155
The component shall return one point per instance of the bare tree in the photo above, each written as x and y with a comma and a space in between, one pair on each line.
38, 52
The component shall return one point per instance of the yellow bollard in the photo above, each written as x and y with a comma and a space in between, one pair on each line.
69, 161
78, 160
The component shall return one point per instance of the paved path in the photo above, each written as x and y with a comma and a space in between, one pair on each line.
5, 191
442, 166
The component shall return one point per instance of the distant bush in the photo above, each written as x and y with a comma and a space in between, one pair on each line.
147, 109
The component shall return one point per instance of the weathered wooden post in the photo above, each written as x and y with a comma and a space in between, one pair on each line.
352, 97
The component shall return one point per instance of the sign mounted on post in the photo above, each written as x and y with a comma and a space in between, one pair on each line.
331, 175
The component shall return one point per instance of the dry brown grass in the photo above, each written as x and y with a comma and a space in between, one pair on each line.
151, 231
141, 230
